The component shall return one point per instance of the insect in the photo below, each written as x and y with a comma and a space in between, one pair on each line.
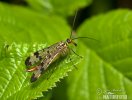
45, 57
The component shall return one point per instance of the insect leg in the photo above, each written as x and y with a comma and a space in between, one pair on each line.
71, 59
76, 53
32, 69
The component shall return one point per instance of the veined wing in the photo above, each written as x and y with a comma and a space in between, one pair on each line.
61, 49
36, 57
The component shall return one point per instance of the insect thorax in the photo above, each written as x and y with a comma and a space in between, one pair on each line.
62, 48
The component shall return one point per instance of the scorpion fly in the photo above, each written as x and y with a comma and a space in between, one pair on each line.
45, 57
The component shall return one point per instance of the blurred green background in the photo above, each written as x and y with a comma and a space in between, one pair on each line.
106, 67
89, 7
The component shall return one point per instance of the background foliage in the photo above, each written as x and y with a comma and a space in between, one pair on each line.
32, 25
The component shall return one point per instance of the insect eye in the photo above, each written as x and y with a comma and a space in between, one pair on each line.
68, 40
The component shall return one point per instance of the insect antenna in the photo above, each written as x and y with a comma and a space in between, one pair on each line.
73, 24
85, 37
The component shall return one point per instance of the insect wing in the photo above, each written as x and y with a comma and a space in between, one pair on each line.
39, 55
35, 75
51, 56
35, 58
40, 68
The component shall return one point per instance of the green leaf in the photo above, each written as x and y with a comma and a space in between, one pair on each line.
66, 7
25, 25
15, 81
114, 44
107, 64
22, 32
